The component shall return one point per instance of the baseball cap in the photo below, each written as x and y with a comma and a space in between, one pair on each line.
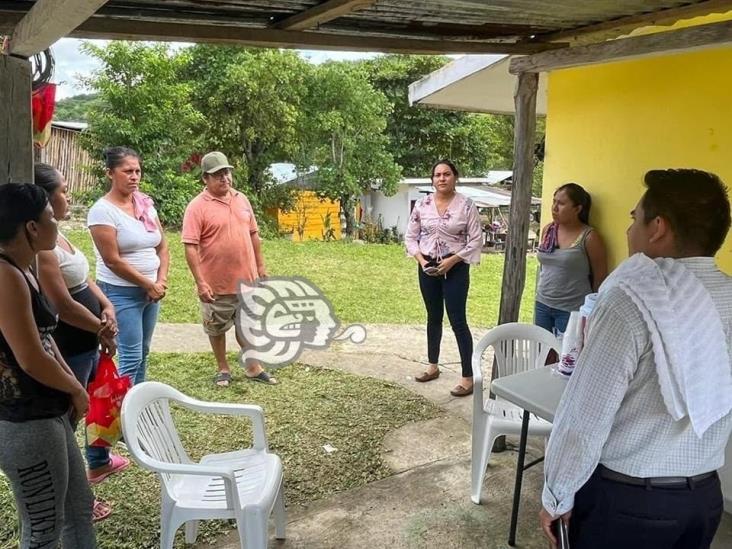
214, 161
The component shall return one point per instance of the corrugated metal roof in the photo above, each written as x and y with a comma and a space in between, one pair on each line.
492, 25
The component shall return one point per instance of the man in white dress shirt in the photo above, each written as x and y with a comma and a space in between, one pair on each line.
640, 432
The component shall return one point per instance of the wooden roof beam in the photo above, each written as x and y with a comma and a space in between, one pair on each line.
321, 13
47, 21
624, 25
691, 38
120, 29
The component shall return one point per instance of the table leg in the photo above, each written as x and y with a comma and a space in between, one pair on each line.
519, 478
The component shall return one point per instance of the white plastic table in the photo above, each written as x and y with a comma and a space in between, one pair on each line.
537, 391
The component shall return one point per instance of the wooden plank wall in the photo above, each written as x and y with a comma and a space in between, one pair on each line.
64, 152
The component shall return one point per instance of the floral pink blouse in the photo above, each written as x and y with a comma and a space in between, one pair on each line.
457, 231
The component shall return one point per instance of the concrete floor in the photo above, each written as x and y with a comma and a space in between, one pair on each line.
425, 503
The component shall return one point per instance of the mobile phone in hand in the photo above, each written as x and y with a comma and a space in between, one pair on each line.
562, 534
430, 270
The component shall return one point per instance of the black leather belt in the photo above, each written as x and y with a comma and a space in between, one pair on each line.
654, 482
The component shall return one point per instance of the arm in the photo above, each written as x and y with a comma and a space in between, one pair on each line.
411, 236
597, 255
53, 286
475, 235
109, 317
164, 254
259, 257
20, 331
587, 410
194, 264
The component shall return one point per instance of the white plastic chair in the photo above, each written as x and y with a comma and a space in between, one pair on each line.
517, 348
244, 485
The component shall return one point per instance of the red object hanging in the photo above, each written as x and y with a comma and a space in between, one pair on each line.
43, 105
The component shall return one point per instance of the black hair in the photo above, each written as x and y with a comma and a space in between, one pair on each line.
46, 177
448, 163
113, 156
579, 197
694, 202
19, 204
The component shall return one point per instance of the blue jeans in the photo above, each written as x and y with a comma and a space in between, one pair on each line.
551, 319
136, 319
84, 365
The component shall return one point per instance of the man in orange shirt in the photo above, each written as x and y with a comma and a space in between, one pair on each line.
222, 246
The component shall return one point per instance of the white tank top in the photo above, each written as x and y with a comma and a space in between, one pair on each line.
74, 266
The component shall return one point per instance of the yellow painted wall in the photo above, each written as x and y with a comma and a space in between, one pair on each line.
609, 124
310, 211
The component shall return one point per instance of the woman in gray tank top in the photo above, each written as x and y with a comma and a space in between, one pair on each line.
573, 259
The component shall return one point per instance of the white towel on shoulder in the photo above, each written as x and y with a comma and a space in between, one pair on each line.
689, 344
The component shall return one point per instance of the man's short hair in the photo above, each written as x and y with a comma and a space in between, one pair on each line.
695, 204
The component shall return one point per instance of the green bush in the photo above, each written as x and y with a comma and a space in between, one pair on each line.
172, 192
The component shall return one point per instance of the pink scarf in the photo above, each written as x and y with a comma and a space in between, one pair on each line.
551, 240
144, 208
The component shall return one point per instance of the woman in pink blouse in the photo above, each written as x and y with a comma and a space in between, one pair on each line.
444, 236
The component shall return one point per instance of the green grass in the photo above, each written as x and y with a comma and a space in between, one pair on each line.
311, 408
373, 283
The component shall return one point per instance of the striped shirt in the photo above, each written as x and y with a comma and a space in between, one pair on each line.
612, 411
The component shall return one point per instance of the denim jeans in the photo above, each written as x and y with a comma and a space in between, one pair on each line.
551, 319
136, 319
84, 366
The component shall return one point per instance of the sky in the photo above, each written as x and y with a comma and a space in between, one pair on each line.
72, 63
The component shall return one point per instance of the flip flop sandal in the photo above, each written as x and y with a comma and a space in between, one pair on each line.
222, 379
100, 510
263, 377
117, 463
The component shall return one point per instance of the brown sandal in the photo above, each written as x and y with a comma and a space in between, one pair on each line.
426, 376
460, 391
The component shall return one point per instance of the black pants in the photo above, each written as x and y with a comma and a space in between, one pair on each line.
611, 515
439, 292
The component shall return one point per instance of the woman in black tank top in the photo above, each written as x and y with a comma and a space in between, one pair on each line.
37, 388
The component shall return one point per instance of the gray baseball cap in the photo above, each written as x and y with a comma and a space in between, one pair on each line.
214, 161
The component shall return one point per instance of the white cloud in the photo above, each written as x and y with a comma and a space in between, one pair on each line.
71, 63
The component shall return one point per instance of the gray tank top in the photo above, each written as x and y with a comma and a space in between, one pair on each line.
564, 280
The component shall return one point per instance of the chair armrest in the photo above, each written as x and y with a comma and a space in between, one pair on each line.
254, 412
158, 466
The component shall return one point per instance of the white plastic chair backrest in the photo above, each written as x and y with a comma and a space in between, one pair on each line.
518, 347
148, 425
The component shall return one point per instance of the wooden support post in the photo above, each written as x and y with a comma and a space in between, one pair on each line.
16, 126
514, 257
514, 268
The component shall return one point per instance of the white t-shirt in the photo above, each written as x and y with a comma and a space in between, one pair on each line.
136, 244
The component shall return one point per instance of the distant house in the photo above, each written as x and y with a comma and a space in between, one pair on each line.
312, 218
492, 190
64, 152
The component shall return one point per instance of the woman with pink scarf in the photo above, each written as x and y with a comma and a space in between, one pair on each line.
132, 258
573, 259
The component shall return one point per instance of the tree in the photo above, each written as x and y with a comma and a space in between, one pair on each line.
76, 108
345, 125
143, 104
251, 101
418, 136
